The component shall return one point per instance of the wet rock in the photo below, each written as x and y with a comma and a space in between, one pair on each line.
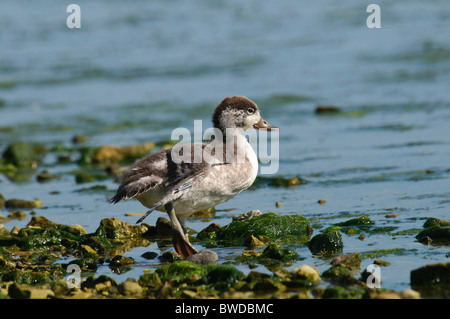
4, 219
204, 257
20, 203
431, 275
410, 294
3, 231
340, 292
286, 229
283, 254
163, 227
80, 139
100, 282
22, 155
279, 181
46, 176
169, 256
433, 222
247, 215
17, 214
326, 243
267, 286
41, 222
435, 233
359, 221
306, 272
26, 292
149, 255
121, 261
2, 201
208, 233
352, 261
222, 277
326, 109
382, 263
114, 228
111, 154
130, 288
253, 242
150, 280
381, 294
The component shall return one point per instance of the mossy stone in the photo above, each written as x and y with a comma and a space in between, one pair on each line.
437, 233
114, 228
22, 155
359, 221
432, 222
328, 242
287, 229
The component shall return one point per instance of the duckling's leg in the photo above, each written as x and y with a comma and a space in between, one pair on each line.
180, 240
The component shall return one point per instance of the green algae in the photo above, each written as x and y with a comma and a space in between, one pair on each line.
283, 229
221, 277
326, 243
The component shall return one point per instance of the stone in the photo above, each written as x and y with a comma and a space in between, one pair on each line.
410, 294
287, 229
130, 287
306, 272
20, 203
16, 291
431, 275
208, 233
22, 155
352, 261
328, 242
121, 261
247, 215
114, 228
204, 257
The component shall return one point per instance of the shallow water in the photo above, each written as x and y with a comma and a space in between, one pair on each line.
134, 72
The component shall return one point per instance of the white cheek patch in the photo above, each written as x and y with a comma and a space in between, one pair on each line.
251, 120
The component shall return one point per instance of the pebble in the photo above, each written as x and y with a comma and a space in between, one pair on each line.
247, 215
204, 257
307, 272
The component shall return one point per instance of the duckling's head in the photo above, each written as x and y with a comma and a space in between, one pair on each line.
239, 112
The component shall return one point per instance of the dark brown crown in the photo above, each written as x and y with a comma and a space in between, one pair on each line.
235, 102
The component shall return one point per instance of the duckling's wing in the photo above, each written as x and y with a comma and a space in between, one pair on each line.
145, 174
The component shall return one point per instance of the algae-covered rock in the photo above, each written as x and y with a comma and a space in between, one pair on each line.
306, 272
20, 203
130, 288
352, 261
359, 221
283, 254
111, 154
432, 275
16, 291
219, 276
2, 201
114, 228
208, 233
121, 261
22, 155
286, 229
436, 233
432, 222
247, 215
328, 242
279, 181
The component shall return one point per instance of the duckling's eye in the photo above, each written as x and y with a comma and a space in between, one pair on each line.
250, 110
